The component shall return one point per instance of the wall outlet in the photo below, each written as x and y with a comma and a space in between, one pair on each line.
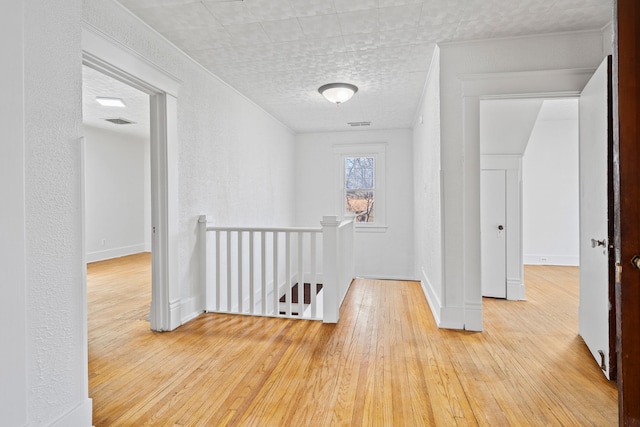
543, 259
104, 242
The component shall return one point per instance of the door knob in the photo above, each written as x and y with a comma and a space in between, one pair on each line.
500, 227
636, 261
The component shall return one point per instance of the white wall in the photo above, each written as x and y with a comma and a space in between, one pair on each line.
386, 254
116, 194
222, 136
506, 124
427, 190
44, 296
551, 232
510, 67
234, 160
13, 289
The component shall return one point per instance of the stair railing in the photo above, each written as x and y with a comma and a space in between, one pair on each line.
293, 272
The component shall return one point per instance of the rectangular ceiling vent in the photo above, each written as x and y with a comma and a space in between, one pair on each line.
120, 121
357, 124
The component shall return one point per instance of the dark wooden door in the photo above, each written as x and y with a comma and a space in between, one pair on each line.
627, 207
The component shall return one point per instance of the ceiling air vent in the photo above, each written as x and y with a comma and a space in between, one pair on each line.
120, 121
357, 124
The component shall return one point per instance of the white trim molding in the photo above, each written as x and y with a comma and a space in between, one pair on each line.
515, 290
525, 84
80, 416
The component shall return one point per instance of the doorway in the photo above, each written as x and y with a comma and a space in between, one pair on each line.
117, 167
117, 183
107, 56
528, 189
558, 191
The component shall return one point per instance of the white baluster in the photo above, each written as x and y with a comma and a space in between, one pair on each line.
251, 275
218, 270
240, 271
313, 280
228, 271
288, 272
276, 293
263, 298
300, 277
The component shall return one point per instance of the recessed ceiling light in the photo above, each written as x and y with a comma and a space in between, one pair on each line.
338, 92
110, 102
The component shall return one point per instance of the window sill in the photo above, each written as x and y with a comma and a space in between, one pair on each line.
370, 228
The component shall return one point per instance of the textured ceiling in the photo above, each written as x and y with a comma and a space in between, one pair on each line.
278, 52
137, 107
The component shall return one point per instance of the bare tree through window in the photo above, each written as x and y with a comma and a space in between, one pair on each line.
360, 187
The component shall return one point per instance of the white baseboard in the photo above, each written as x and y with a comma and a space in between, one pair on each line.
398, 278
445, 317
174, 314
191, 308
538, 259
115, 252
515, 290
473, 317
80, 416
432, 299
452, 318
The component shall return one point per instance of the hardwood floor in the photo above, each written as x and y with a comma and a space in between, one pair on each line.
385, 364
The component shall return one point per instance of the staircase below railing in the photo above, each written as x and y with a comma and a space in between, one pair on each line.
290, 272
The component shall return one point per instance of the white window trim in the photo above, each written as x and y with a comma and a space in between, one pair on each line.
379, 152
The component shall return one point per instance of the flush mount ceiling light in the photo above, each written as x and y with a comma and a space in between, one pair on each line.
110, 102
338, 92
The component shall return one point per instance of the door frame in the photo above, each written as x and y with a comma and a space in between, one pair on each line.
562, 83
626, 156
115, 60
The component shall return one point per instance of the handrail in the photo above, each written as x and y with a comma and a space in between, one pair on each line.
267, 229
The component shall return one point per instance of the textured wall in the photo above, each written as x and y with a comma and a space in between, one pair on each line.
53, 115
115, 193
426, 164
384, 255
13, 356
235, 160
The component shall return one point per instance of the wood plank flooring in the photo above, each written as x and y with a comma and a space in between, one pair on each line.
385, 364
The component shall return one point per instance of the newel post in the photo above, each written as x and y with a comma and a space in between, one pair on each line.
202, 246
330, 268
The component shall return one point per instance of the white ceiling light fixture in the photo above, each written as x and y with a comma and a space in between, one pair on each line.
110, 102
338, 92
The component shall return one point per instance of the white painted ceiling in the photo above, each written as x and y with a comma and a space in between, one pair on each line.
137, 107
278, 52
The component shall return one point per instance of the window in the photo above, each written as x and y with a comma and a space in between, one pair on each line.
359, 179
361, 190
